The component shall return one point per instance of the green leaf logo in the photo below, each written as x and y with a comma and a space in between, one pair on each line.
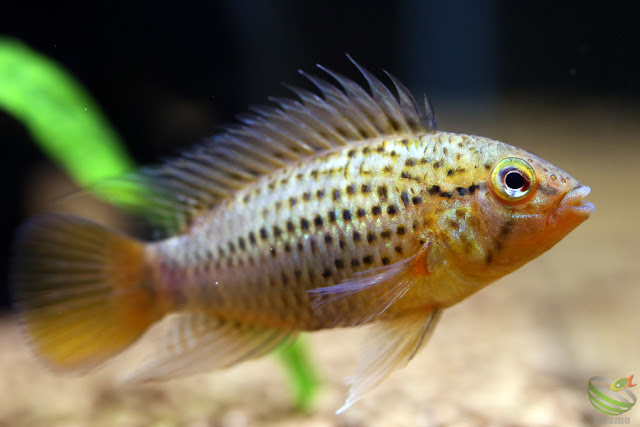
608, 397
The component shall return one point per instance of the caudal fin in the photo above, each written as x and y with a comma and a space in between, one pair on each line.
82, 291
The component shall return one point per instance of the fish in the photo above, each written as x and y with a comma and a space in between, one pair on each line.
622, 383
340, 207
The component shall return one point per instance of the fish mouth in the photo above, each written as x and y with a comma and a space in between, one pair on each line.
573, 202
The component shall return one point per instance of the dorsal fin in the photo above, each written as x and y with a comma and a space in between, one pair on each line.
268, 139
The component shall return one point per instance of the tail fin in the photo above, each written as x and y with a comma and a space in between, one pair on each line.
82, 291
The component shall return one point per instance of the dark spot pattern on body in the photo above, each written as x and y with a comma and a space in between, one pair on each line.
405, 198
547, 190
376, 210
383, 192
489, 258
406, 175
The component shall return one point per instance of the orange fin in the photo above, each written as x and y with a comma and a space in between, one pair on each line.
196, 342
383, 286
80, 290
393, 345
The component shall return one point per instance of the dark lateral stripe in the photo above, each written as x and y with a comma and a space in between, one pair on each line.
461, 191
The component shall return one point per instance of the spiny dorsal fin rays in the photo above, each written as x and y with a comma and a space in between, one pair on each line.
408, 103
325, 113
363, 102
271, 138
340, 101
429, 114
385, 99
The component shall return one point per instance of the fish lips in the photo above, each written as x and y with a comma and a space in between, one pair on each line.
573, 201
572, 207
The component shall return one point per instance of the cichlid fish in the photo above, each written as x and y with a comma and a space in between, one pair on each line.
342, 208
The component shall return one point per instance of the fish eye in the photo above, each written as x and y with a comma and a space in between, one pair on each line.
512, 179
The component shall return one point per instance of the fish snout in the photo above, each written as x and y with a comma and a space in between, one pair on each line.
574, 202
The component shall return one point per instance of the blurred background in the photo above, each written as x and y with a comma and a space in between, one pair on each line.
559, 78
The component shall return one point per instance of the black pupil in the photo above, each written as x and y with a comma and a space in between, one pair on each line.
514, 180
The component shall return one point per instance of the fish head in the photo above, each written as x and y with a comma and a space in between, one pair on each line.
528, 206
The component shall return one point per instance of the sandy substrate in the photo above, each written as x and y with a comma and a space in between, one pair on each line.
518, 353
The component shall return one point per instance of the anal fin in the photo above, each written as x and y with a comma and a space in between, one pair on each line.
197, 342
392, 345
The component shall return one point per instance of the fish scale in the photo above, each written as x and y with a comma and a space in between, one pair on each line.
381, 229
342, 208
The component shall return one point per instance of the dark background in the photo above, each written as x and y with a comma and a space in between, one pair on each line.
169, 75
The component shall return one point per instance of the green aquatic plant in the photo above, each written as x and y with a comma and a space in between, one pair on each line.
70, 128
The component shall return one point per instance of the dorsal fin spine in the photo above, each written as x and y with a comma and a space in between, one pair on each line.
341, 100
272, 138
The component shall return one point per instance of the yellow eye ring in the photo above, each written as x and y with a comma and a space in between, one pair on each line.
513, 179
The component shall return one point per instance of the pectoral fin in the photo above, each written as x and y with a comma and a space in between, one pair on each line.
379, 289
197, 342
392, 345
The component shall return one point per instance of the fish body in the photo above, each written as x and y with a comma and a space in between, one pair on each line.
622, 383
336, 210
317, 224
